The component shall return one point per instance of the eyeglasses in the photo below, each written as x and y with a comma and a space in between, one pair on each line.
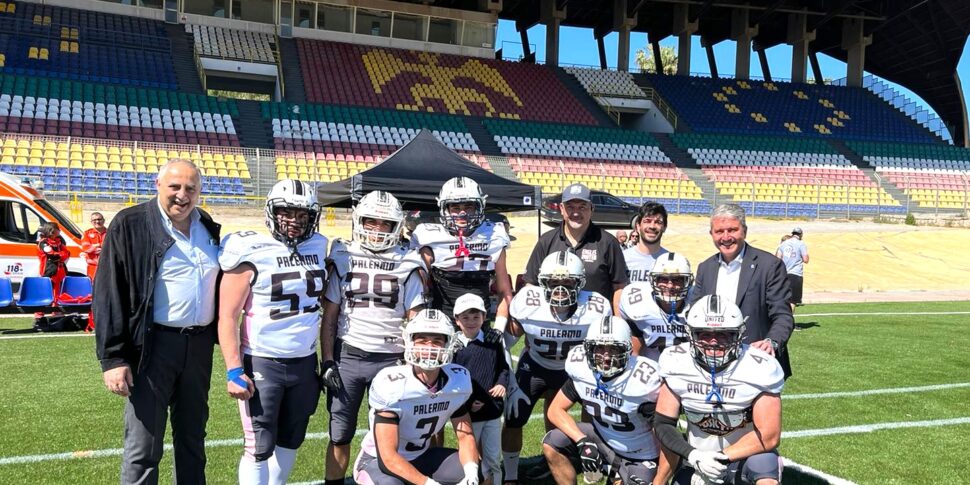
97, 220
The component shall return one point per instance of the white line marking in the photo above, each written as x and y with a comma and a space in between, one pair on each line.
71, 455
807, 470
856, 314
869, 428
44, 335
871, 392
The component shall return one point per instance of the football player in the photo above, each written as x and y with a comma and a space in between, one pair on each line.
410, 403
731, 394
465, 251
657, 308
275, 281
618, 391
649, 226
554, 318
374, 285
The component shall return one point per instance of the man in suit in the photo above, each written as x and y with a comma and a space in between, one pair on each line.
754, 280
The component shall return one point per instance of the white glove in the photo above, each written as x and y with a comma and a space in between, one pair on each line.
710, 464
471, 474
515, 398
430, 481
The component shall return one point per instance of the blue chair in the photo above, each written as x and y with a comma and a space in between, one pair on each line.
6, 292
78, 288
36, 293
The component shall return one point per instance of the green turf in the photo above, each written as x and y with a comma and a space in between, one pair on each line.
52, 401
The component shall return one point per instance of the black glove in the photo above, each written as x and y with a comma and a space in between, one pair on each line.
492, 336
330, 376
589, 455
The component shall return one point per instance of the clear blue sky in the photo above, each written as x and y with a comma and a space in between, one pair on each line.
577, 46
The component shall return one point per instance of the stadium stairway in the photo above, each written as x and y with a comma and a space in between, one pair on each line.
870, 172
483, 138
682, 160
183, 59
292, 76
585, 100
252, 129
653, 95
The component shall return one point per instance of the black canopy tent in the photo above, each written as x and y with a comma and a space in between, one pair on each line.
415, 174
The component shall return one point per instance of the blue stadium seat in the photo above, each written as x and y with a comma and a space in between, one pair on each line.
6, 292
75, 294
35, 292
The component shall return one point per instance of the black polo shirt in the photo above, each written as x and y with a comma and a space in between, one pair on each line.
599, 250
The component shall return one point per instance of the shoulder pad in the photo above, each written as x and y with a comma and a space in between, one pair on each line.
596, 302
340, 257
675, 360
388, 386
458, 377
760, 370
633, 298
526, 302
238, 247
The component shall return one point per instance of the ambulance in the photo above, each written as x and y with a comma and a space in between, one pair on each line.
22, 210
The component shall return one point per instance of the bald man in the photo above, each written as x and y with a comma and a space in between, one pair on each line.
155, 315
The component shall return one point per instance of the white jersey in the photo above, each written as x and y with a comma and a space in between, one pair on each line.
485, 246
281, 318
615, 405
547, 339
712, 427
659, 328
639, 265
421, 414
375, 291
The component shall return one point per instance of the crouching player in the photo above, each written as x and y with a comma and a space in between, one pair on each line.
619, 392
731, 394
410, 403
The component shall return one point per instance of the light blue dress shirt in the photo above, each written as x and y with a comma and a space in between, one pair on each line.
185, 286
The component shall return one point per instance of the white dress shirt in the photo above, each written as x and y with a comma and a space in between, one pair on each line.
185, 289
728, 275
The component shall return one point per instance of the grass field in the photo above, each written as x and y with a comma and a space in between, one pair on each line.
59, 425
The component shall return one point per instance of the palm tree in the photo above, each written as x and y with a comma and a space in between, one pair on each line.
668, 56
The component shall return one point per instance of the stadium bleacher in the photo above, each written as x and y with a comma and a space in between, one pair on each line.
734, 106
600, 82
43, 40
356, 75
785, 176
115, 169
220, 42
934, 176
628, 164
71, 108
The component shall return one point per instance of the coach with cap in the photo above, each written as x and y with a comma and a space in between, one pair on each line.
155, 308
754, 280
601, 253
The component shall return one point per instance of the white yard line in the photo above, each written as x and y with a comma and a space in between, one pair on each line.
869, 428
807, 470
857, 314
872, 392
44, 335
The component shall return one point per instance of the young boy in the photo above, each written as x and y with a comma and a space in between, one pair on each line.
490, 377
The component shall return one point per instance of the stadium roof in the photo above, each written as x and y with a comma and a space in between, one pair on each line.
915, 43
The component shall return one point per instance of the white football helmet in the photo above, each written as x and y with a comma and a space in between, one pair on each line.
560, 266
292, 194
717, 315
608, 345
378, 205
461, 189
674, 268
429, 321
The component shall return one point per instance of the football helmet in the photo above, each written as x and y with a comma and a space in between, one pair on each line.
673, 267
713, 314
378, 205
461, 189
429, 321
608, 346
557, 267
291, 194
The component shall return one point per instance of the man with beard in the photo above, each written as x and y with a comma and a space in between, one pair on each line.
649, 225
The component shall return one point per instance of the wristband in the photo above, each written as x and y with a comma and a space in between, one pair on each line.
235, 376
470, 469
501, 323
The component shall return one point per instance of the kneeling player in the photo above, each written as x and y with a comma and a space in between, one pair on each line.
619, 394
410, 403
554, 318
731, 394
658, 307
276, 282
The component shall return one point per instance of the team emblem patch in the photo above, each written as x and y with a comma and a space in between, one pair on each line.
588, 255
